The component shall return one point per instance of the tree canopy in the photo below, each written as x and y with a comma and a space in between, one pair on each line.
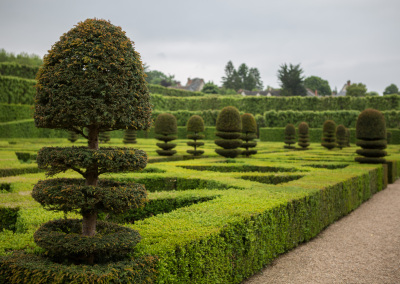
356, 90
210, 88
292, 80
243, 78
318, 84
159, 78
391, 89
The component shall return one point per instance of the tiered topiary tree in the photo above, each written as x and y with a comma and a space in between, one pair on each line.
104, 136
195, 125
166, 129
329, 134
229, 127
130, 136
249, 133
290, 136
72, 136
341, 136
371, 135
92, 79
304, 138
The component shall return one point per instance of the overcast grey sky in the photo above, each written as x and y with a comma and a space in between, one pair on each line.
337, 40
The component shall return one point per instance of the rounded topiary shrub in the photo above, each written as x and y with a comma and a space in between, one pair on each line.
194, 127
304, 138
166, 129
130, 136
290, 136
341, 137
92, 79
329, 134
371, 137
229, 127
249, 133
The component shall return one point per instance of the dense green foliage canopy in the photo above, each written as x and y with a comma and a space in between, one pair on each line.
242, 78
292, 80
391, 89
356, 90
315, 83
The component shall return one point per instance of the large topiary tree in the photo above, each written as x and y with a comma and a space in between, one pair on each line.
341, 137
93, 79
229, 127
166, 129
371, 137
195, 126
329, 134
290, 136
249, 133
304, 138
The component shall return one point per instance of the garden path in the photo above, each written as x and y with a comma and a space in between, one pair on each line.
363, 247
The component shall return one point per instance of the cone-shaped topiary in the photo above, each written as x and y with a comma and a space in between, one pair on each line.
72, 136
371, 135
104, 136
195, 125
166, 129
229, 127
290, 136
341, 136
249, 133
91, 78
347, 137
130, 136
304, 138
329, 134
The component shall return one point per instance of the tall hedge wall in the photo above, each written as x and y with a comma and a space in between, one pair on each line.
12, 112
157, 89
18, 70
14, 90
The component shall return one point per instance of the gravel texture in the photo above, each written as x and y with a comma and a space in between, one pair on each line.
363, 247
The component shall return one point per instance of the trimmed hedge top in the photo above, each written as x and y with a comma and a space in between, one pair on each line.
229, 120
195, 124
92, 76
249, 123
329, 126
290, 130
371, 125
303, 128
165, 124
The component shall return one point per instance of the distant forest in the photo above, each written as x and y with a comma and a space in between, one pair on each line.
22, 58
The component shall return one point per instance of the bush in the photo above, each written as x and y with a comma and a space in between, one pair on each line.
72, 136
304, 138
104, 137
329, 134
249, 133
371, 135
130, 136
229, 127
14, 90
18, 70
290, 136
195, 125
165, 127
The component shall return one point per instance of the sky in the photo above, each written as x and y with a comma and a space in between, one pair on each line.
337, 40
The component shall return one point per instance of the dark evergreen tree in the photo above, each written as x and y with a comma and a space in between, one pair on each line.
304, 138
341, 136
166, 129
195, 126
292, 80
229, 127
290, 136
371, 135
93, 79
130, 136
329, 134
249, 133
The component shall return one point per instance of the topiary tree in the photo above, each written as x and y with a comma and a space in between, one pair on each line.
229, 127
72, 136
249, 133
329, 134
91, 78
341, 137
130, 136
195, 125
104, 136
290, 136
371, 135
348, 137
304, 138
166, 129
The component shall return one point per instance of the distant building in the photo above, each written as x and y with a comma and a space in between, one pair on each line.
269, 93
194, 85
343, 90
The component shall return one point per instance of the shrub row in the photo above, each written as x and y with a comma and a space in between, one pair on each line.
18, 70
157, 89
14, 90
12, 112
258, 105
8, 218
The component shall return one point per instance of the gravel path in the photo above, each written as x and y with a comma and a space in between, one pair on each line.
363, 247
